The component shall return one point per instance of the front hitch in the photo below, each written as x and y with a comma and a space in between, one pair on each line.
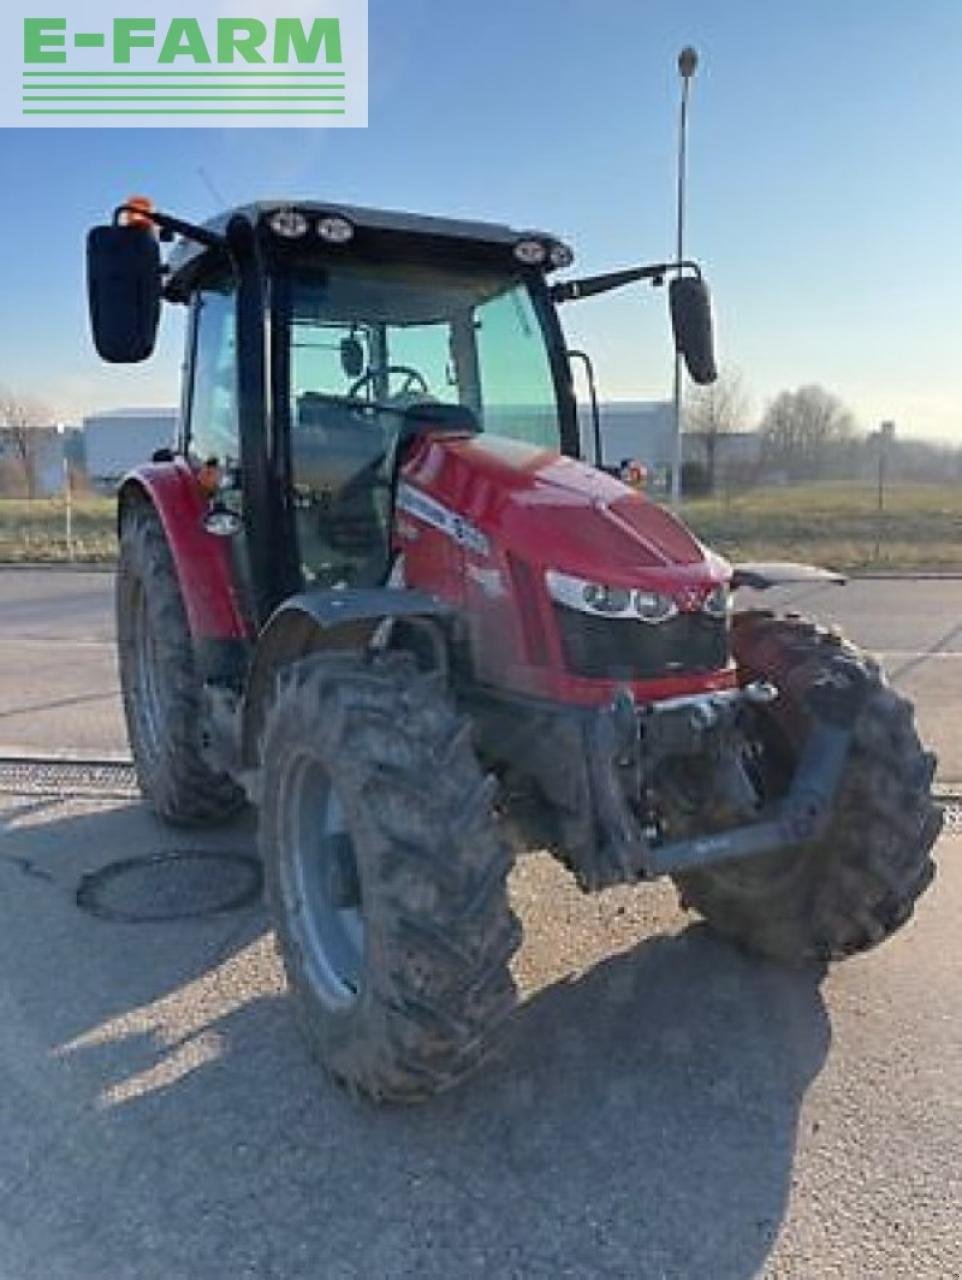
800, 817
627, 851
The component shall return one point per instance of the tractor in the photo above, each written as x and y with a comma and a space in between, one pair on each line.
374, 590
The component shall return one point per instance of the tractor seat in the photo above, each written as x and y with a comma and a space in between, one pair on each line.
338, 455
334, 444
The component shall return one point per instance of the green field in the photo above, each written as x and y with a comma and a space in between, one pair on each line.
36, 531
837, 525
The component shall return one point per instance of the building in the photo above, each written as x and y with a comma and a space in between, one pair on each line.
643, 430
117, 439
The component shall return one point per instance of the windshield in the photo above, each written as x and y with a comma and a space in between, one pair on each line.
368, 342
395, 335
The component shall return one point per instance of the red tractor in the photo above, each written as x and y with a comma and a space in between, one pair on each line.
374, 591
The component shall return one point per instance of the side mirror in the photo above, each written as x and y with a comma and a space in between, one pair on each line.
352, 358
690, 304
123, 290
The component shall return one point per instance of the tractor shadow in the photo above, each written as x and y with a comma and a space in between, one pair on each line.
163, 1118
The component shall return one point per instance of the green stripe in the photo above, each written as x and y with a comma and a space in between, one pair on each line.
182, 97
89, 41
169, 111
183, 73
220, 86
186, 90
271, 82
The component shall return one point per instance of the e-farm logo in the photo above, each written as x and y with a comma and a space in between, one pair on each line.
108, 69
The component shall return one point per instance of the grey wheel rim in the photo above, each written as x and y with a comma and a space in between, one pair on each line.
320, 883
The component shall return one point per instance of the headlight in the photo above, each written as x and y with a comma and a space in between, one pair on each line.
290, 224
335, 229
561, 256
718, 602
611, 601
531, 252
652, 606
603, 601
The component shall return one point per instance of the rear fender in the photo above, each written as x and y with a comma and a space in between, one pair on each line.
315, 621
201, 560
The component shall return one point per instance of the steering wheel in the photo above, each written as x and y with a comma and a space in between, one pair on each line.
413, 380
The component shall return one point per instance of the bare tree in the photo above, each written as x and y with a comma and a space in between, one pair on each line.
717, 410
20, 420
802, 428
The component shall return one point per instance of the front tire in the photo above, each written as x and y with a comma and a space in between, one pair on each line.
385, 874
161, 689
858, 884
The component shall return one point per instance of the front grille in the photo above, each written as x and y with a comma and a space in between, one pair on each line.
619, 649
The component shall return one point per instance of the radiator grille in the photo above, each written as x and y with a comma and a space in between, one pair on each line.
617, 648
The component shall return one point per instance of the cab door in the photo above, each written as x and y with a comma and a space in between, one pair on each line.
210, 421
211, 432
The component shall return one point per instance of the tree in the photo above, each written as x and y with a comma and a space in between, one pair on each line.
20, 420
802, 428
716, 410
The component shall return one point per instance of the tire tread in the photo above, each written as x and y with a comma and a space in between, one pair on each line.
180, 785
861, 881
423, 825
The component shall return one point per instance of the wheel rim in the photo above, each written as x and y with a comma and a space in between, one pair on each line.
150, 704
321, 885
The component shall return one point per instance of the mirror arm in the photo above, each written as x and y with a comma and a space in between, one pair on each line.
174, 226
590, 286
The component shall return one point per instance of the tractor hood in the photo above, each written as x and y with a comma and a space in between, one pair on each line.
555, 512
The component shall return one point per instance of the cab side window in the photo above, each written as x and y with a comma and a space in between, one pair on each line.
517, 383
212, 428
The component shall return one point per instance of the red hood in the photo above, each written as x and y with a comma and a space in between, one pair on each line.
558, 513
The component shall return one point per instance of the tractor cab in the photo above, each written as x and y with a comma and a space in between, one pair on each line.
376, 352
322, 341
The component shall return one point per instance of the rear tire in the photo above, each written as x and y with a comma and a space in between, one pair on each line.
385, 874
162, 692
853, 888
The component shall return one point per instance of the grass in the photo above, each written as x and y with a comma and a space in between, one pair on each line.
34, 531
836, 525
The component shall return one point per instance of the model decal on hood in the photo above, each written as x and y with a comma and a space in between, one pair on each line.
416, 503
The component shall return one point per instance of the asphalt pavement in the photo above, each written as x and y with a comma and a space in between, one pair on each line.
663, 1106
58, 670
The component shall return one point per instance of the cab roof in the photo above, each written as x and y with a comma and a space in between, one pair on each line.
380, 222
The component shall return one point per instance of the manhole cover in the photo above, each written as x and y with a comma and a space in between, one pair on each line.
183, 884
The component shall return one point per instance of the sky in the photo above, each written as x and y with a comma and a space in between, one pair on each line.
824, 200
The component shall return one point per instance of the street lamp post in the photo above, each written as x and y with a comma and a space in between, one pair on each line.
687, 62
67, 489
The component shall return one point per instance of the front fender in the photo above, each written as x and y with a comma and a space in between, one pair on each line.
781, 573
201, 560
317, 620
